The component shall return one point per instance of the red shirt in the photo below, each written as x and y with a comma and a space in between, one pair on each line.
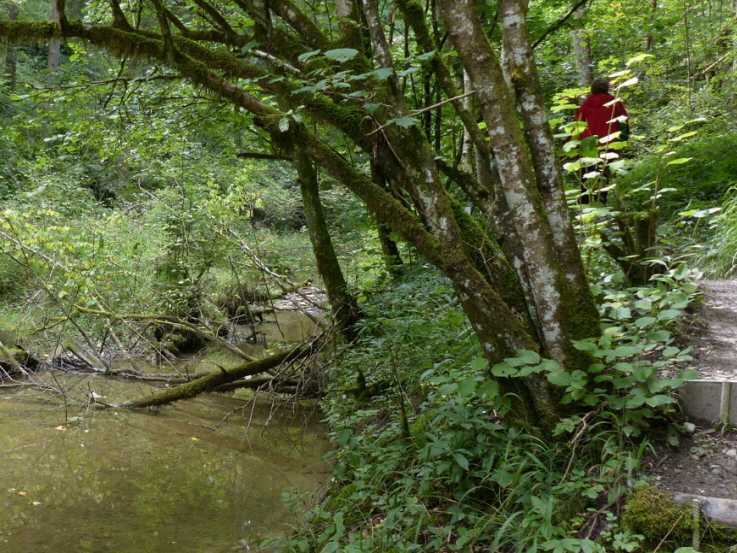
599, 115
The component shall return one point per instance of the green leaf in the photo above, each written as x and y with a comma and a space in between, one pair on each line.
642, 322
404, 122
560, 378
668, 314
253, 44
341, 55
447, 389
466, 387
307, 55
461, 460
479, 364
528, 357
659, 400
683, 136
489, 389
371, 108
584, 345
638, 58
679, 161
384, 73
659, 336
344, 436
283, 124
503, 369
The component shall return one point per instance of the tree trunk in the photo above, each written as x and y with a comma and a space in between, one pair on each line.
580, 309
551, 297
343, 303
467, 154
10, 69
582, 50
54, 50
510, 192
649, 40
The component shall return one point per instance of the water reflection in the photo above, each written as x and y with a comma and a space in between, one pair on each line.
116, 481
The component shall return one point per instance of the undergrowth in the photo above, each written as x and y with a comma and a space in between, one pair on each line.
426, 458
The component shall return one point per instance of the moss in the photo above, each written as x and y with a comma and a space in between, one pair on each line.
654, 514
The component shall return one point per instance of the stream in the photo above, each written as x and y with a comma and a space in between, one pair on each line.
155, 481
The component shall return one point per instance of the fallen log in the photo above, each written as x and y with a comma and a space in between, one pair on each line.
16, 362
215, 379
265, 383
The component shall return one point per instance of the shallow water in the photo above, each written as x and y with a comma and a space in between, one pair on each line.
117, 481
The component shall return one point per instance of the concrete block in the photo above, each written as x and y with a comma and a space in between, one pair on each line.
723, 511
700, 400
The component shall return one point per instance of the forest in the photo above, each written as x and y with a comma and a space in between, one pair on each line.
437, 269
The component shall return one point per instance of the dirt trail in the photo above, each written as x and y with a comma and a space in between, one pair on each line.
715, 347
706, 462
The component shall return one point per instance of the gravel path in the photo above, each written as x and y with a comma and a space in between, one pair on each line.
715, 346
706, 462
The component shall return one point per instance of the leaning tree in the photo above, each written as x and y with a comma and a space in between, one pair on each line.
307, 72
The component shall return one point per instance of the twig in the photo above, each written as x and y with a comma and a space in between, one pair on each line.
429, 108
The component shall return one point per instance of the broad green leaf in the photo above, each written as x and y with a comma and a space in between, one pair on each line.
404, 122
341, 55
371, 107
489, 389
461, 460
642, 322
307, 55
668, 314
528, 357
384, 73
684, 136
560, 378
447, 389
503, 369
659, 400
679, 161
638, 58
466, 387
479, 364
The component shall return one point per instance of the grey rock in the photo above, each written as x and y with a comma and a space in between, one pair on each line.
689, 427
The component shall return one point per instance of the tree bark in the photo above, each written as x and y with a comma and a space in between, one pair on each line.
344, 304
579, 307
54, 49
549, 289
10, 63
582, 50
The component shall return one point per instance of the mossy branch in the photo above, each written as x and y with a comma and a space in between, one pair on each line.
219, 378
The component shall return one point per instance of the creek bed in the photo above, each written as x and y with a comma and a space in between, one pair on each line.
154, 481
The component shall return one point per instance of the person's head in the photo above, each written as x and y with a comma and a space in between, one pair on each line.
600, 85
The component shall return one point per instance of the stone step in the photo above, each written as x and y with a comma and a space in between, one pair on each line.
707, 401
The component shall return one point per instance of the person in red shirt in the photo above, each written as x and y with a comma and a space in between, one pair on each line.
605, 115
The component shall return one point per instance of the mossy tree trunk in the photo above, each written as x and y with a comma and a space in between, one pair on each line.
10, 65
344, 304
520, 267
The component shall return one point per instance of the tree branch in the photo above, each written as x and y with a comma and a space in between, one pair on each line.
558, 24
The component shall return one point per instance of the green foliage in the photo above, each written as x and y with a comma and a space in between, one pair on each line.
699, 184
655, 515
464, 477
